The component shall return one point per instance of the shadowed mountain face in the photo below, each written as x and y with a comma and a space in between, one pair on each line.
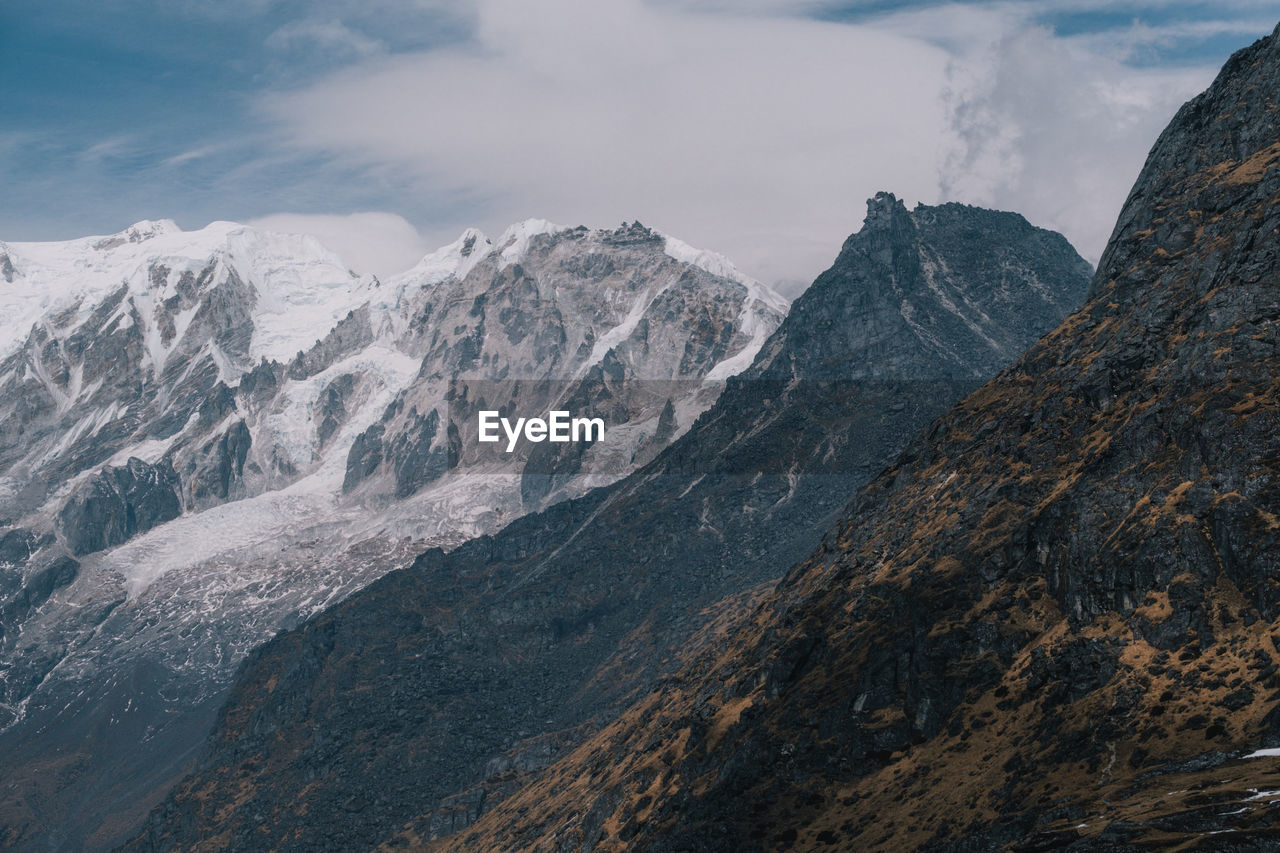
404, 713
1052, 622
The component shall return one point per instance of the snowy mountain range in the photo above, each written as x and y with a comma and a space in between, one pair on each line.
208, 435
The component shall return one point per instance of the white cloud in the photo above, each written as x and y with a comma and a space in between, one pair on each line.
329, 36
200, 152
113, 146
381, 243
1054, 131
1131, 42
757, 137
758, 134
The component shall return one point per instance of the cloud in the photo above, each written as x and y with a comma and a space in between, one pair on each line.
200, 152
1140, 40
112, 147
379, 243
1059, 133
757, 137
330, 36
753, 131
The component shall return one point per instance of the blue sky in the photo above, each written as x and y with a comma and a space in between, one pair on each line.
754, 127
120, 110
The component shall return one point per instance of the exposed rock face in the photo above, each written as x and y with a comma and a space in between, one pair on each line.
332, 406
37, 589
216, 472
118, 503
352, 334
511, 318
412, 708
179, 412
948, 291
1052, 622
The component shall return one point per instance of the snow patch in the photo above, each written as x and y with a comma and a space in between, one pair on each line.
1262, 795
623, 330
759, 319
1273, 752
292, 428
151, 450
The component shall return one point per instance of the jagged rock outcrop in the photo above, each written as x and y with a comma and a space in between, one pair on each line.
415, 706
1053, 622
118, 503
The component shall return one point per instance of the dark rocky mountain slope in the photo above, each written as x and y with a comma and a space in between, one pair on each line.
1053, 622
410, 709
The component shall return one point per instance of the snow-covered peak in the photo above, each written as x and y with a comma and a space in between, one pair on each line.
284, 263
454, 260
302, 287
148, 228
514, 242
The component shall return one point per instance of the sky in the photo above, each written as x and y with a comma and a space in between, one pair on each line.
755, 128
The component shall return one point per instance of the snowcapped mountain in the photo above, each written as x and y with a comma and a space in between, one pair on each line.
206, 436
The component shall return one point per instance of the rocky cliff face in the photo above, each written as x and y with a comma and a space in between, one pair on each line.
412, 708
224, 431
950, 291
1052, 623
